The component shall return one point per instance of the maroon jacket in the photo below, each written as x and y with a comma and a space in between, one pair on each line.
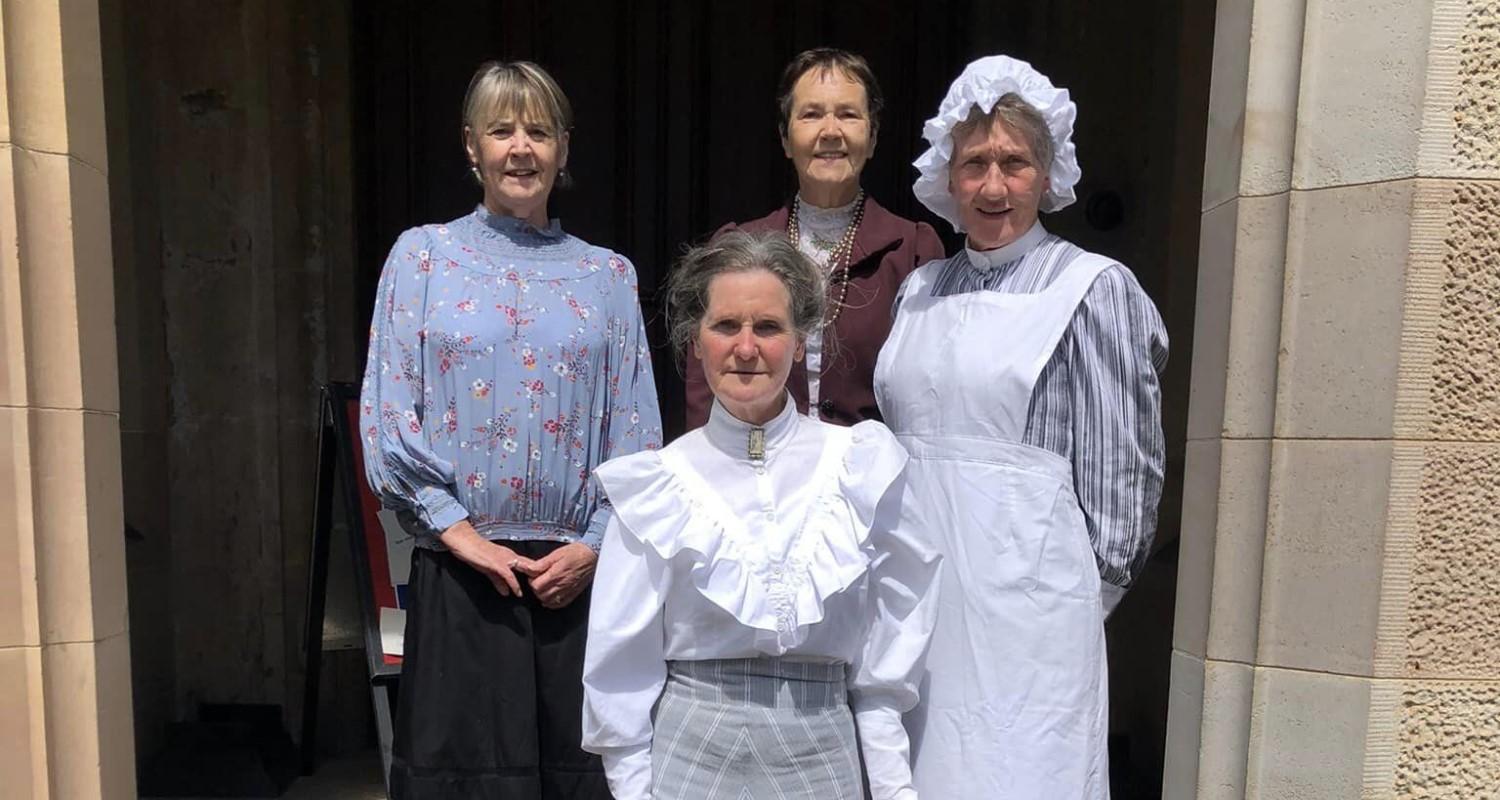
887, 248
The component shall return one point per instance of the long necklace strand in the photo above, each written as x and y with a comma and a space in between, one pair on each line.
839, 258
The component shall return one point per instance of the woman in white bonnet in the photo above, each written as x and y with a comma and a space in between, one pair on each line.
1022, 376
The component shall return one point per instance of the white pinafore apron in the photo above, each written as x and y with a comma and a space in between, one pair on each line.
1015, 706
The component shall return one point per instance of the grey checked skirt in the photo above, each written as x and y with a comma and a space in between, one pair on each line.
758, 728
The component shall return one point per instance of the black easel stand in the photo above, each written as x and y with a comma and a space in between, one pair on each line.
336, 466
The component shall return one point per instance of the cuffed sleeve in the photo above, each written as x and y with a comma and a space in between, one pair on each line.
593, 536
624, 666
402, 469
1119, 349
904, 594
1110, 596
628, 770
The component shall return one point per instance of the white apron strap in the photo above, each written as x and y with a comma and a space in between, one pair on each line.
1063, 297
916, 284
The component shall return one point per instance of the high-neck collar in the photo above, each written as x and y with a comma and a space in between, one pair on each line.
732, 435
986, 260
517, 228
813, 216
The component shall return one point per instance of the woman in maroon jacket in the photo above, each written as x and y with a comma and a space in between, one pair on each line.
830, 115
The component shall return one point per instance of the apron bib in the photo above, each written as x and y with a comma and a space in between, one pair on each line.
1015, 704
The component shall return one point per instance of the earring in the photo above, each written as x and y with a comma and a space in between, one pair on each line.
474, 169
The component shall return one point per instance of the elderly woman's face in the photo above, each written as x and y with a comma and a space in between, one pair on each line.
828, 136
518, 161
747, 343
998, 184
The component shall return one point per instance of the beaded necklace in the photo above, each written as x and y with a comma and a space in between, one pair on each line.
838, 264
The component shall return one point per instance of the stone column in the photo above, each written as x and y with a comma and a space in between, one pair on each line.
1337, 633
65, 710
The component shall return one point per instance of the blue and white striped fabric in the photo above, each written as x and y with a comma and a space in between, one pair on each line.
1098, 400
761, 728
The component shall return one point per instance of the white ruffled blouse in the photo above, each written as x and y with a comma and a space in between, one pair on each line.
712, 555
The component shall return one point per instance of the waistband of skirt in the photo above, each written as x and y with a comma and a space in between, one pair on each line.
764, 682
511, 532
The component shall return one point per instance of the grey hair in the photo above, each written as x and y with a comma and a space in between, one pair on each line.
738, 251
1019, 116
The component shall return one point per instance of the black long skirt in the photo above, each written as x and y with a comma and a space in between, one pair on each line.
491, 696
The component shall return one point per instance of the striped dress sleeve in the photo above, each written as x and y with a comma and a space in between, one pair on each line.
1119, 347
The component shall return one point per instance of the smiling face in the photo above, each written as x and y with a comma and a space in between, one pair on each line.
518, 161
828, 135
997, 183
747, 343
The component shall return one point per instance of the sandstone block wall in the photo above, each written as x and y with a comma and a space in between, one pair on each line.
1340, 639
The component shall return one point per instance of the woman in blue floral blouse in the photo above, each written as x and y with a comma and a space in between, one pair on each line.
507, 360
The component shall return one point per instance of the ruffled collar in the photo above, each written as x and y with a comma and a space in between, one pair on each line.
667, 506
986, 260
730, 434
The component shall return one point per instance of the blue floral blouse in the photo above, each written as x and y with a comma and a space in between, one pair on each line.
506, 363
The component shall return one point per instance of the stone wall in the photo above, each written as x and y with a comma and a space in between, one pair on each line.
65, 706
1336, 631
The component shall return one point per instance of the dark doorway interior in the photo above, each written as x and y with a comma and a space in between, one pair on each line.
675, 135
675, 130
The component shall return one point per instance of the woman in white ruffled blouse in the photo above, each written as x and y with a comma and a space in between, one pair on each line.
756, 599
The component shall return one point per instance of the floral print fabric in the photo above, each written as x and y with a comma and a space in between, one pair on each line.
506, 362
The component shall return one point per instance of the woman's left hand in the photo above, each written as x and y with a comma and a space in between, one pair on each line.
559, 577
